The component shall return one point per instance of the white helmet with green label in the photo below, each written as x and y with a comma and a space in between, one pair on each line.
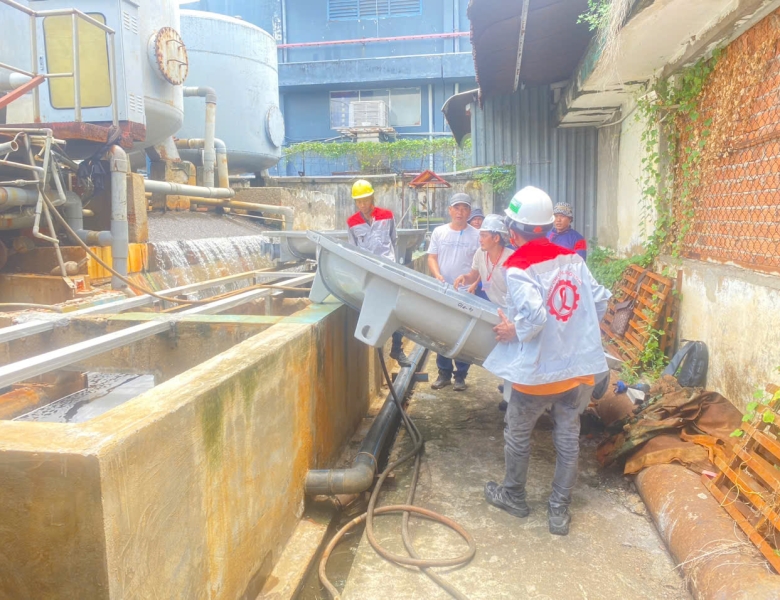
530, 212
494, 224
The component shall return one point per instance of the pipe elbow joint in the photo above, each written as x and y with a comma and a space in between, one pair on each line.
209, 93
354, 480
117, 160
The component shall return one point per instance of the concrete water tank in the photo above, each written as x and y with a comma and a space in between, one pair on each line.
238, 60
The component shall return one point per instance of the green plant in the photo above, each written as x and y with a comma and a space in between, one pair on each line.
597, 15
674, 140
372, 156
760, 398
501, 178
607, 268
652, 357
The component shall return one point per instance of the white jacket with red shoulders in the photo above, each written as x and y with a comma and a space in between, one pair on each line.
379, 237
556, 306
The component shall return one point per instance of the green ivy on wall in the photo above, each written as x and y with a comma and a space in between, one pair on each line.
374, 156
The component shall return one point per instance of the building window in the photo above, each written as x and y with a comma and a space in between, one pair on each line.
404, 104
352, 10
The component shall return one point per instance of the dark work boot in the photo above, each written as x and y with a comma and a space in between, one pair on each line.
442, 381
558, 519
503, 405
459, 385
497, 496
398, 355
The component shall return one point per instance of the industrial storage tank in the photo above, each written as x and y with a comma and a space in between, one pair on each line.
164, 64
151, 63
238, 60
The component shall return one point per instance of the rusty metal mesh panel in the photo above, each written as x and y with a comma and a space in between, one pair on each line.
734, 214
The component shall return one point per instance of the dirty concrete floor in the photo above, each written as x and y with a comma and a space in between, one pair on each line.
612, 551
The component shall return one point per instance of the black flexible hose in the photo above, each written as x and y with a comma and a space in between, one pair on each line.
424, 564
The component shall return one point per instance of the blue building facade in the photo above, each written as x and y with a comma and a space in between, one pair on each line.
317, 83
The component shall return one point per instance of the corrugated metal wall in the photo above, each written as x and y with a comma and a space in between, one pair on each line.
520, 130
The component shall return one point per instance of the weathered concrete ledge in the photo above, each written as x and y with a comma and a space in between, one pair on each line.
192, 488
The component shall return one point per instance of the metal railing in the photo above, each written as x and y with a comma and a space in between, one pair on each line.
75, 73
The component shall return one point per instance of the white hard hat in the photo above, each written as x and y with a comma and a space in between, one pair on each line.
531, 212
494, 224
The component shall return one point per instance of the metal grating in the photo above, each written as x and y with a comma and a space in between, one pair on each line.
348, 10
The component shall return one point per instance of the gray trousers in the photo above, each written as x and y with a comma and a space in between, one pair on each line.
521, 416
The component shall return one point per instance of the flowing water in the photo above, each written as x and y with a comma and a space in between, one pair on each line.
183, 262
104, 391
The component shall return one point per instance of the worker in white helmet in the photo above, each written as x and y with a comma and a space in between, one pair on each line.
550, 345
488, 261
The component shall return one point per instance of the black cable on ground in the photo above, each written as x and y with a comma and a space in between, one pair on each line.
74, 236
424, 564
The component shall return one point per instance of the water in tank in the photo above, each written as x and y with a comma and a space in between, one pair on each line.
238, 60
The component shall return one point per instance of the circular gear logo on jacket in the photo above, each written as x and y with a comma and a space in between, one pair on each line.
563, 300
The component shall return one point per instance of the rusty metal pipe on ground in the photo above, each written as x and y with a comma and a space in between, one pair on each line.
223, 177
209, 154
717, 560
360, 476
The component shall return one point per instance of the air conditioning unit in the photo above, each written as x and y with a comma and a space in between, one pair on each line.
373, 113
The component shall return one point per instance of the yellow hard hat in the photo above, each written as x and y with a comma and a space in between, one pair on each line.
362, 189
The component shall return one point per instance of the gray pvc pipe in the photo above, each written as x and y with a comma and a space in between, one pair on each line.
73, 211
223, 176
11, 197
194, 191
120, 233
209, 153
360, 476
20, 220
11, 146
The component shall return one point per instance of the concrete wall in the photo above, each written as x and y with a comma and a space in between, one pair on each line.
334, 194
736, 312
191, 489
629, 192
733, 309
607, 186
